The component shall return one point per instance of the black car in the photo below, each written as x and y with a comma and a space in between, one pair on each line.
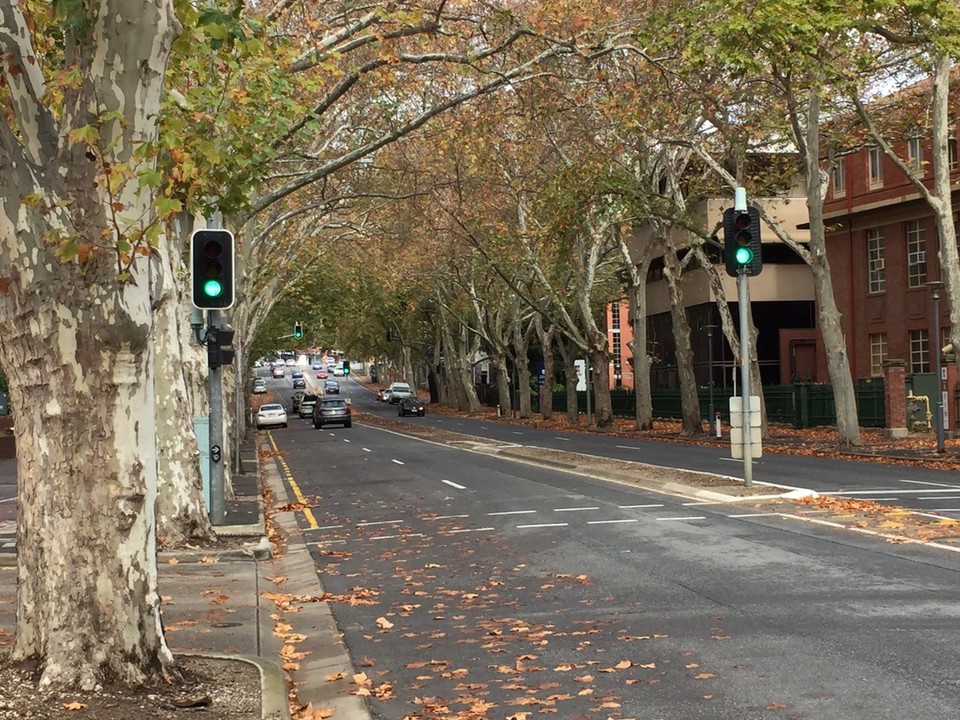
331, 387
331, 411
411, 406
299, 383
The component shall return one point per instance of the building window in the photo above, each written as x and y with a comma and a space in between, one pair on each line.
840, 178
919, 351
878, 353
875, 264
916, 255
876, 167
915, 154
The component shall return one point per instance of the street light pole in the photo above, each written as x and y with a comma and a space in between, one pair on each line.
935, 288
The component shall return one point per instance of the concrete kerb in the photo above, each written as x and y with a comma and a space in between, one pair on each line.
328, 656
273, 686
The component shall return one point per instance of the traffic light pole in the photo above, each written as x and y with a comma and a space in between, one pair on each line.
743, 303
217, 508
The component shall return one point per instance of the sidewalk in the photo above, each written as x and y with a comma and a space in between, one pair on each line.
231, 603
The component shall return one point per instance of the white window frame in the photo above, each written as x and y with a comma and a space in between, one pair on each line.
915, 154
916, 254
875, 167
840, 178
878, 353
876, 268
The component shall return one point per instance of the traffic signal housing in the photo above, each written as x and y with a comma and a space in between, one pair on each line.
219, 350
741, 241
212, 255
346, 367
297, 330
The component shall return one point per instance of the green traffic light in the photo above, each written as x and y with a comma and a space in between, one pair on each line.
744, 255
213, 288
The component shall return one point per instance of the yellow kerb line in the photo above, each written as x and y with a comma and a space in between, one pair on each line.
307, 512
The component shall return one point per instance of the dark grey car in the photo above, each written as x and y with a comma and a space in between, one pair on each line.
331, 411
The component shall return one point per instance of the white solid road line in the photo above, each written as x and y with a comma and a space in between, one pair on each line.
924, 482
574, 509
512, 512
899, 491
453, 484
542, 525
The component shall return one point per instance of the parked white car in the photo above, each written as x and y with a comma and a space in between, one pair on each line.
271, 415
398, 391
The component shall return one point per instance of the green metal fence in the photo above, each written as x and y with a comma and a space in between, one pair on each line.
801, 404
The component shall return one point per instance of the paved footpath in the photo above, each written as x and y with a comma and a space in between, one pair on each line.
231, 603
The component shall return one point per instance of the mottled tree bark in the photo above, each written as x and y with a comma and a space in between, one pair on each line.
76, 334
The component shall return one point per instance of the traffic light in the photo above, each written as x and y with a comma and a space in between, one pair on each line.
297, 330
346, 367
219, 350
741, 241
212, 268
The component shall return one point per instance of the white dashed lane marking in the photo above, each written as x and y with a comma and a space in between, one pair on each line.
453, 484
511, 512
541, 525
468, 530
575, 509
381, 522
398, 462
688, 517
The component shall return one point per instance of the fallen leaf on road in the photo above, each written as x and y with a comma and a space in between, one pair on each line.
74, 706
383, 623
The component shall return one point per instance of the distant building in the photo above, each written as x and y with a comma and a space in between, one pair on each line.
781, 300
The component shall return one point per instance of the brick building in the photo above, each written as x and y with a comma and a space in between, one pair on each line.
883, 246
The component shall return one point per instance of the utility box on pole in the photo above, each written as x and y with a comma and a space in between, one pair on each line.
737, 424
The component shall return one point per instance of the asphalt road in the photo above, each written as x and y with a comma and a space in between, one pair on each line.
461, 580
924, 490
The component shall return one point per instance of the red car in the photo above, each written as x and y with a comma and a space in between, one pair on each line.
321, 374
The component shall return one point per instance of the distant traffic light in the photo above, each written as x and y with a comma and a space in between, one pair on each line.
741, 241
219, 350
346, 367
297, 330
212, 268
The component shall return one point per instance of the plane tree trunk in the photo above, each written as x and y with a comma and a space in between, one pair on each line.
78, 277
